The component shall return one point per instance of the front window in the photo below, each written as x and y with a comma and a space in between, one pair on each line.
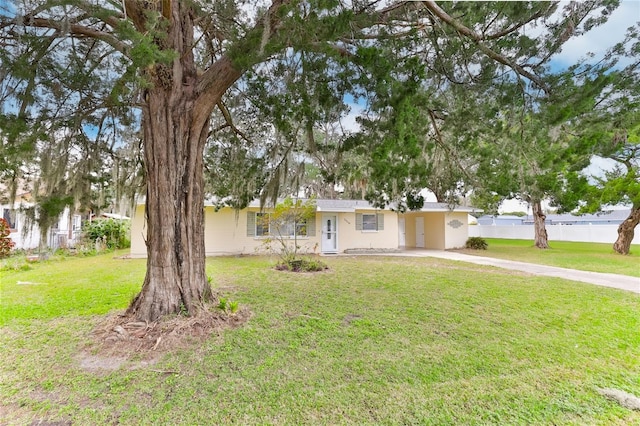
262, 224
292, 229
10, 217
77, 222
267, 225
369, 222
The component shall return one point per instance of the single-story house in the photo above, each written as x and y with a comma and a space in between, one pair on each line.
500, 220
338, 226
613, 217
26, 235
64, 233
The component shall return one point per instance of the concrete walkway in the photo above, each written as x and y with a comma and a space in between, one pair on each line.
622, 282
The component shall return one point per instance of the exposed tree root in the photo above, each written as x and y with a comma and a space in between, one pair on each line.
122, 336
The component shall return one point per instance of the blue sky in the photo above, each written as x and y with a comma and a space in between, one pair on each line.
599, 39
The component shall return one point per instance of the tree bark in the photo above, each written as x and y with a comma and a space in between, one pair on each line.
626, 231
540, 230
175, 121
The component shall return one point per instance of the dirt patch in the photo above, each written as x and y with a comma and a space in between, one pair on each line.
97, 362
117, 340
14, 414
348, 319
623, 398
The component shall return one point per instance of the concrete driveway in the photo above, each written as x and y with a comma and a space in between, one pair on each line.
622, 282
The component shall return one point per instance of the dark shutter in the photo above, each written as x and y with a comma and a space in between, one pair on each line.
251, 224
358, 221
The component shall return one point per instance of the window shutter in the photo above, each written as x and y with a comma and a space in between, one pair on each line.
380, 221
358, 221
311, 227
251, 224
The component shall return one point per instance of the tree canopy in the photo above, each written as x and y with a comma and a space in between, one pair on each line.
183, 70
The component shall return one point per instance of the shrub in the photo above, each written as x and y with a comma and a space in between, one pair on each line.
476, 243
113, 233
301, 265
5, 241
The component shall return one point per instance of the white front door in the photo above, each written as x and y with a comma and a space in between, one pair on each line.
420, 232
329, 234
402, 241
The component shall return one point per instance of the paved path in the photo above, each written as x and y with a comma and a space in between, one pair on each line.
623, 282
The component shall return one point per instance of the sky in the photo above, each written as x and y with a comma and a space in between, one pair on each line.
600, 38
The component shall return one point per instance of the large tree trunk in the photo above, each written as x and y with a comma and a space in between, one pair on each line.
540, 230
626, 231
176, 123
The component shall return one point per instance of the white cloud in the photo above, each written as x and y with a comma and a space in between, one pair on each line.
348, 122
599, 166
600, 38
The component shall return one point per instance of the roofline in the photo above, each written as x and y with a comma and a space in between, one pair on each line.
352, 209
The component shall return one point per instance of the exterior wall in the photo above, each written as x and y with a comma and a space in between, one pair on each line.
434, 234
456, 228
351, 238
584, 233
442, 230
28, 241
138, 233
61, 234
409, 230
226, 233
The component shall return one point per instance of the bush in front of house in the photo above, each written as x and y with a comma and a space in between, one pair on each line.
6, 244
113, 233
301, 264
476, 243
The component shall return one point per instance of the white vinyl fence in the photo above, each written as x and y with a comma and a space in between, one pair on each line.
586, 233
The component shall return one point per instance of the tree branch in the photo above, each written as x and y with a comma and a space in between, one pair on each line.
515, 27
477, 39
215, 81
79, 30
432, 117
227, 118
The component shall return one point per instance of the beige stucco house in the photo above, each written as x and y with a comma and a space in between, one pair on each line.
338, 226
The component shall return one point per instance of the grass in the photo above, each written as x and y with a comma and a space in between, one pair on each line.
593, 257
371, 341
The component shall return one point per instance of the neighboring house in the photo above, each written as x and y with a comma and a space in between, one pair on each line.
338, 226
614, 217
64, 234
501, 220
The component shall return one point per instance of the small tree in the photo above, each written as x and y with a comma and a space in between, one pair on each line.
287, 223
6, 244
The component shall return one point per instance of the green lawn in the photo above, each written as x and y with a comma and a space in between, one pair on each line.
373, 340
593, 257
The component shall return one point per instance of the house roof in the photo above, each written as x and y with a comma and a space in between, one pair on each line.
342, 206
615, 216
115, 216
439, 207
336, 206
345, 206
